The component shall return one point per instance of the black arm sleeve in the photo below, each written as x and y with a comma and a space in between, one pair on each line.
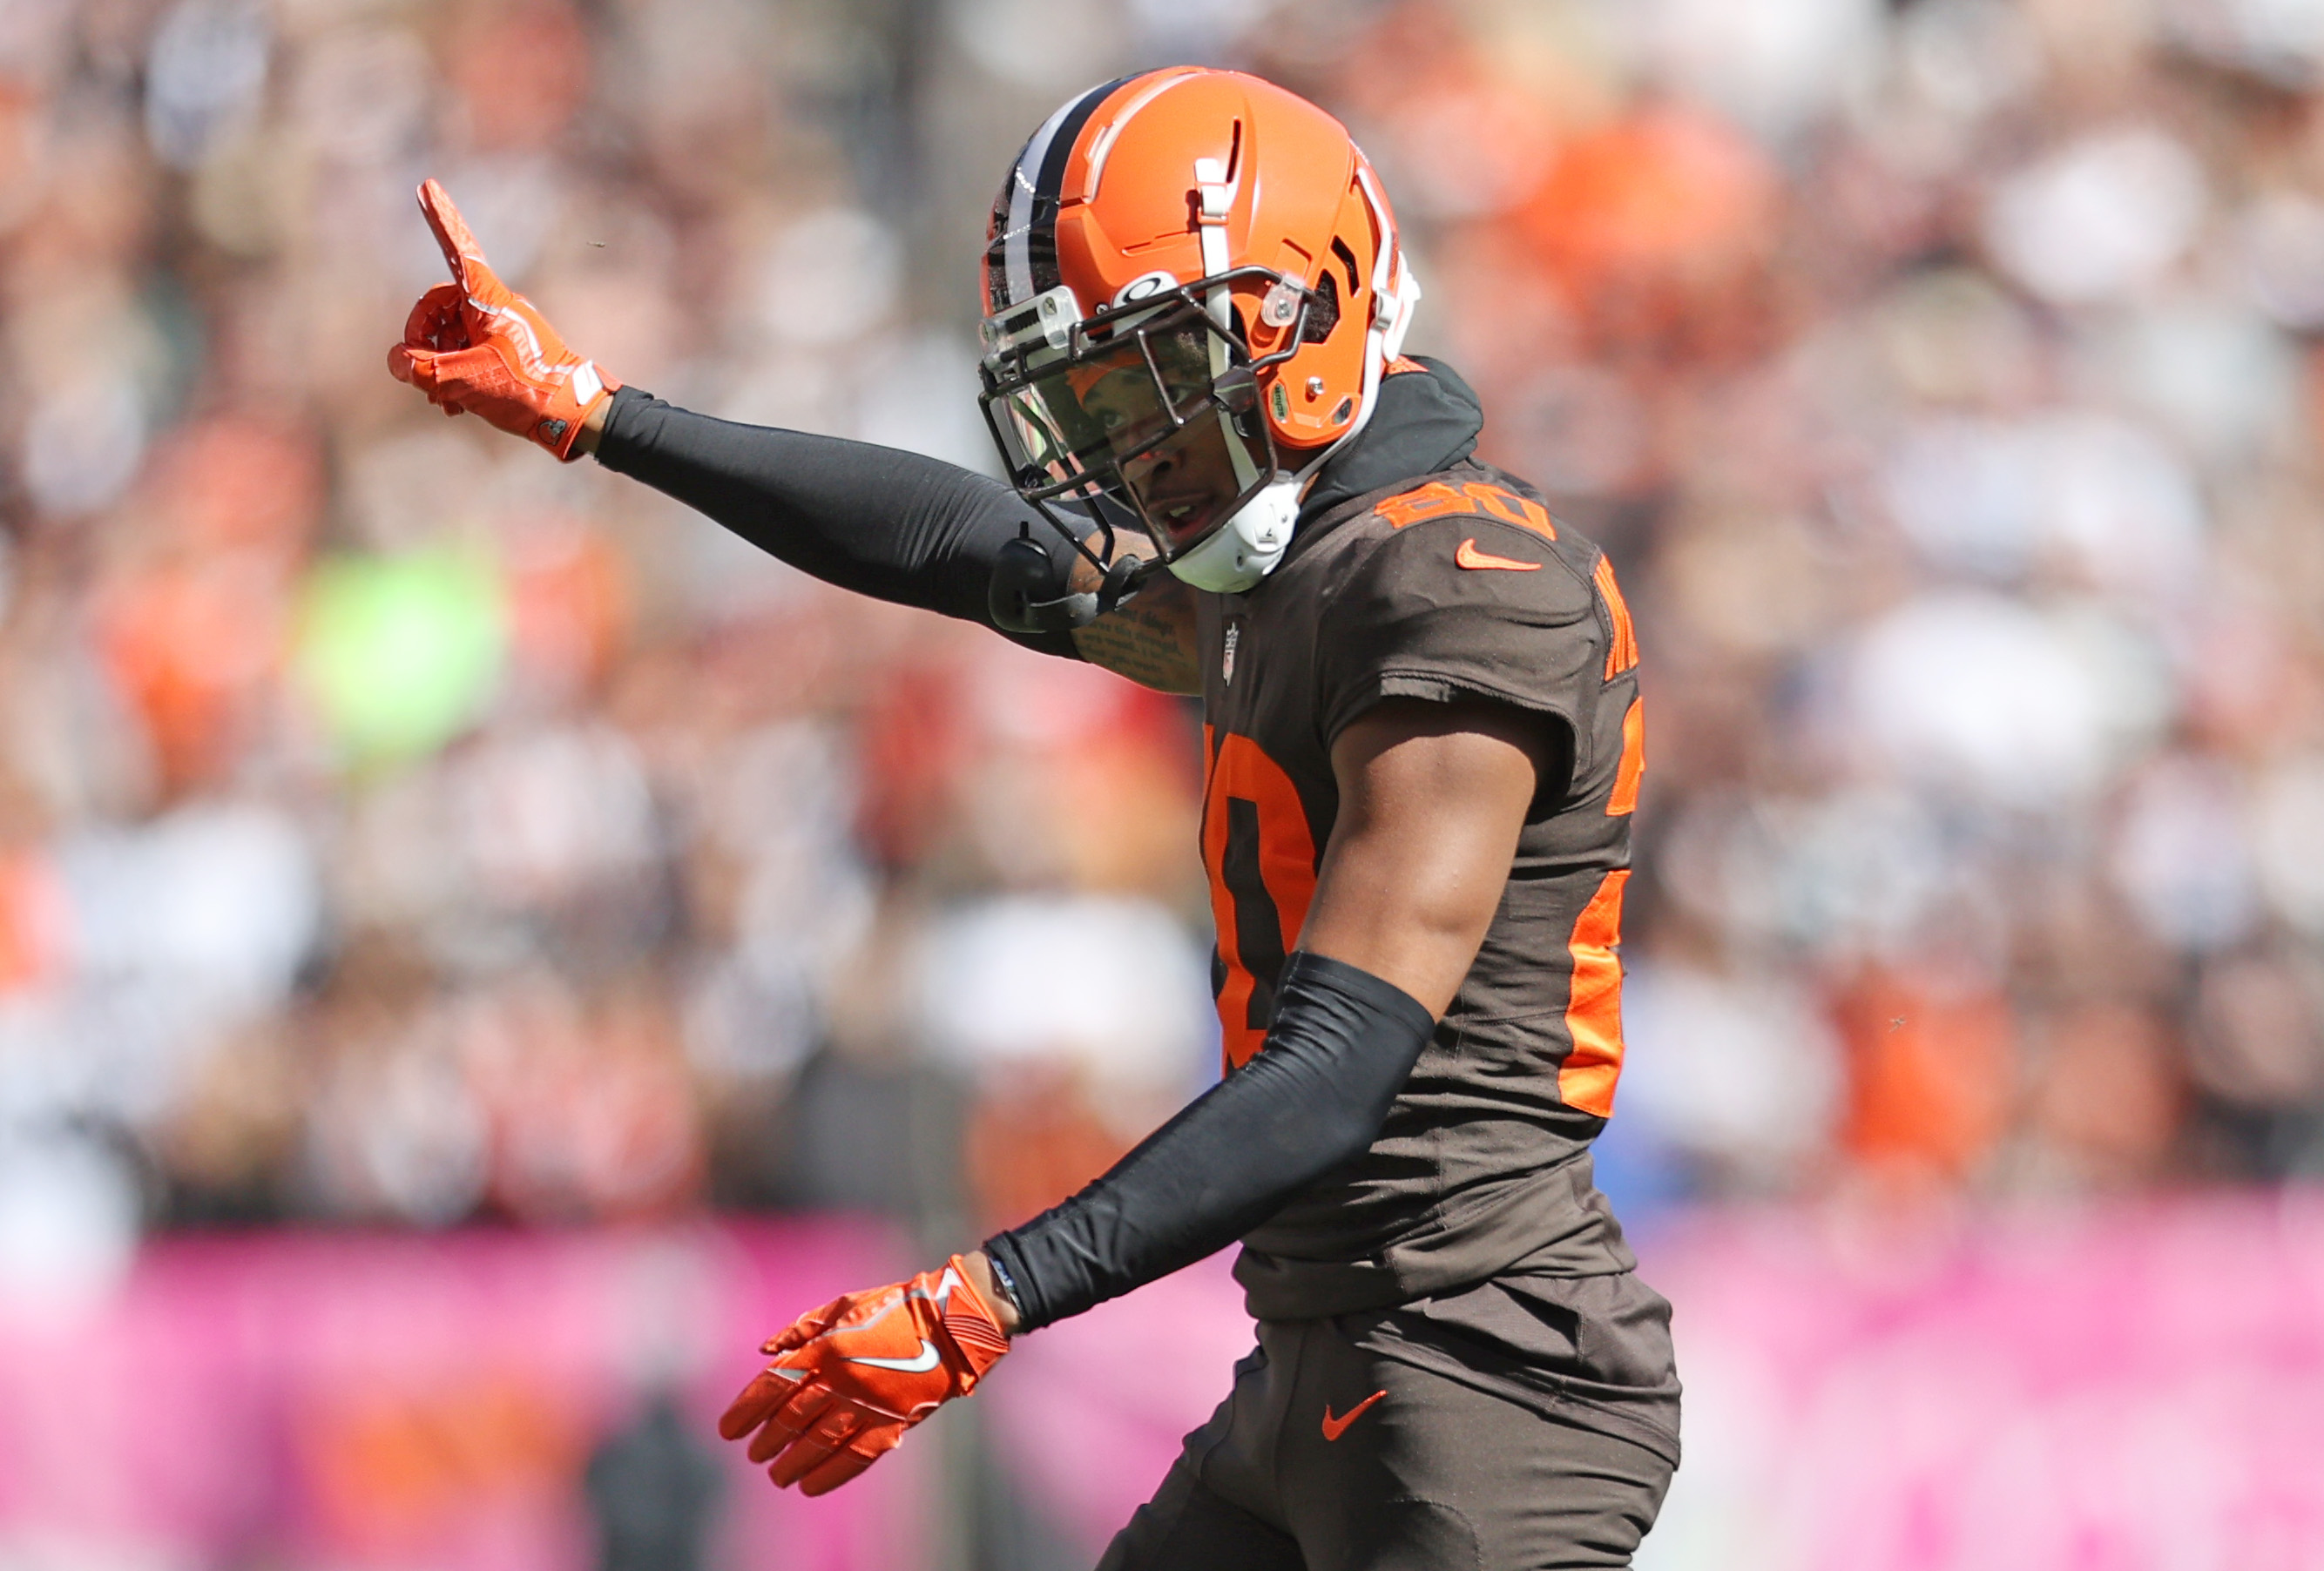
892, 525
1343, 1043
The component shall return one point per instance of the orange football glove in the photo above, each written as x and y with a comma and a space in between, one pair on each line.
849, 1379
477, 345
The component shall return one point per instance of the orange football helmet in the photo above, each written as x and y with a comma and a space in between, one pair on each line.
1191, 288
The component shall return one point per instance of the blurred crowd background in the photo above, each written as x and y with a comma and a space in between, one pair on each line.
397, 828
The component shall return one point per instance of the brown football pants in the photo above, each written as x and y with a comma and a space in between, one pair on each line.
1296, 1473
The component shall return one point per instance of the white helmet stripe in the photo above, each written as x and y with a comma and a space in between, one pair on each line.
1018, 259
1036, 185
1103, 145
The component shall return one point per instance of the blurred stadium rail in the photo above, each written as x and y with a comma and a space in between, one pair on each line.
490, 1401
2131, 1386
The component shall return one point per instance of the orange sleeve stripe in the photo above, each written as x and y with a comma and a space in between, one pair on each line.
1594, 1008
1622, 653
1632, 768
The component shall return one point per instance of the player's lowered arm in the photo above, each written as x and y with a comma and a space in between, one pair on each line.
1431, 798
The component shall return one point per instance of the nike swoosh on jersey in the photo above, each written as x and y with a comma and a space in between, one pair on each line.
920, 1364
1468, 556
1335, 1427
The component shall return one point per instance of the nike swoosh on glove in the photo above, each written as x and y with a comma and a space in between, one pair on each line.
849, 1379
474, 345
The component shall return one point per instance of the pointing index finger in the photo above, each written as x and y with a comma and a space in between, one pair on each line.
461, 251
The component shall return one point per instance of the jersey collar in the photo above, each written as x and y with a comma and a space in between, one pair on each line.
1427, 420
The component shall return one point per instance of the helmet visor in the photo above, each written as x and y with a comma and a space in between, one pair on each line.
1140, 415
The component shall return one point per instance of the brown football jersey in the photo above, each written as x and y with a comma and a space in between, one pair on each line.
1454, 585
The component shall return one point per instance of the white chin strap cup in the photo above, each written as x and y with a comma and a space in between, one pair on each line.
1247, 547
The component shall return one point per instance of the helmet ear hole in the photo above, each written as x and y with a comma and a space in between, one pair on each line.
1323, 310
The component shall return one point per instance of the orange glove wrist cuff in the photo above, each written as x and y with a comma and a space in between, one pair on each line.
974, 1329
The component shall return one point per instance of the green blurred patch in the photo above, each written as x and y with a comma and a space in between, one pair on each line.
400, 654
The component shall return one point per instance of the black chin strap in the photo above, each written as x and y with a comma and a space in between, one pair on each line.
1029, 592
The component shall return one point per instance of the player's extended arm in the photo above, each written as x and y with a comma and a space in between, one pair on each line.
1432, 799
892, 525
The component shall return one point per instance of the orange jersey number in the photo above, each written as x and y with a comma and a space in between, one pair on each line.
1261, 857
1440, 499
1593, 1009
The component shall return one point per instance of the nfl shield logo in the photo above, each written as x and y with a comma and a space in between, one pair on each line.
1226, 662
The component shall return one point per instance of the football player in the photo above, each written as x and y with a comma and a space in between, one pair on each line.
1423, 746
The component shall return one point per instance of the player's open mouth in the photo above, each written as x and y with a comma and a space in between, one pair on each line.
1139, 414
1183, 515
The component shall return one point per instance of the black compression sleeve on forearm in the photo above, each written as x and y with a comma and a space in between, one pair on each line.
892, 525
1343, 1043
